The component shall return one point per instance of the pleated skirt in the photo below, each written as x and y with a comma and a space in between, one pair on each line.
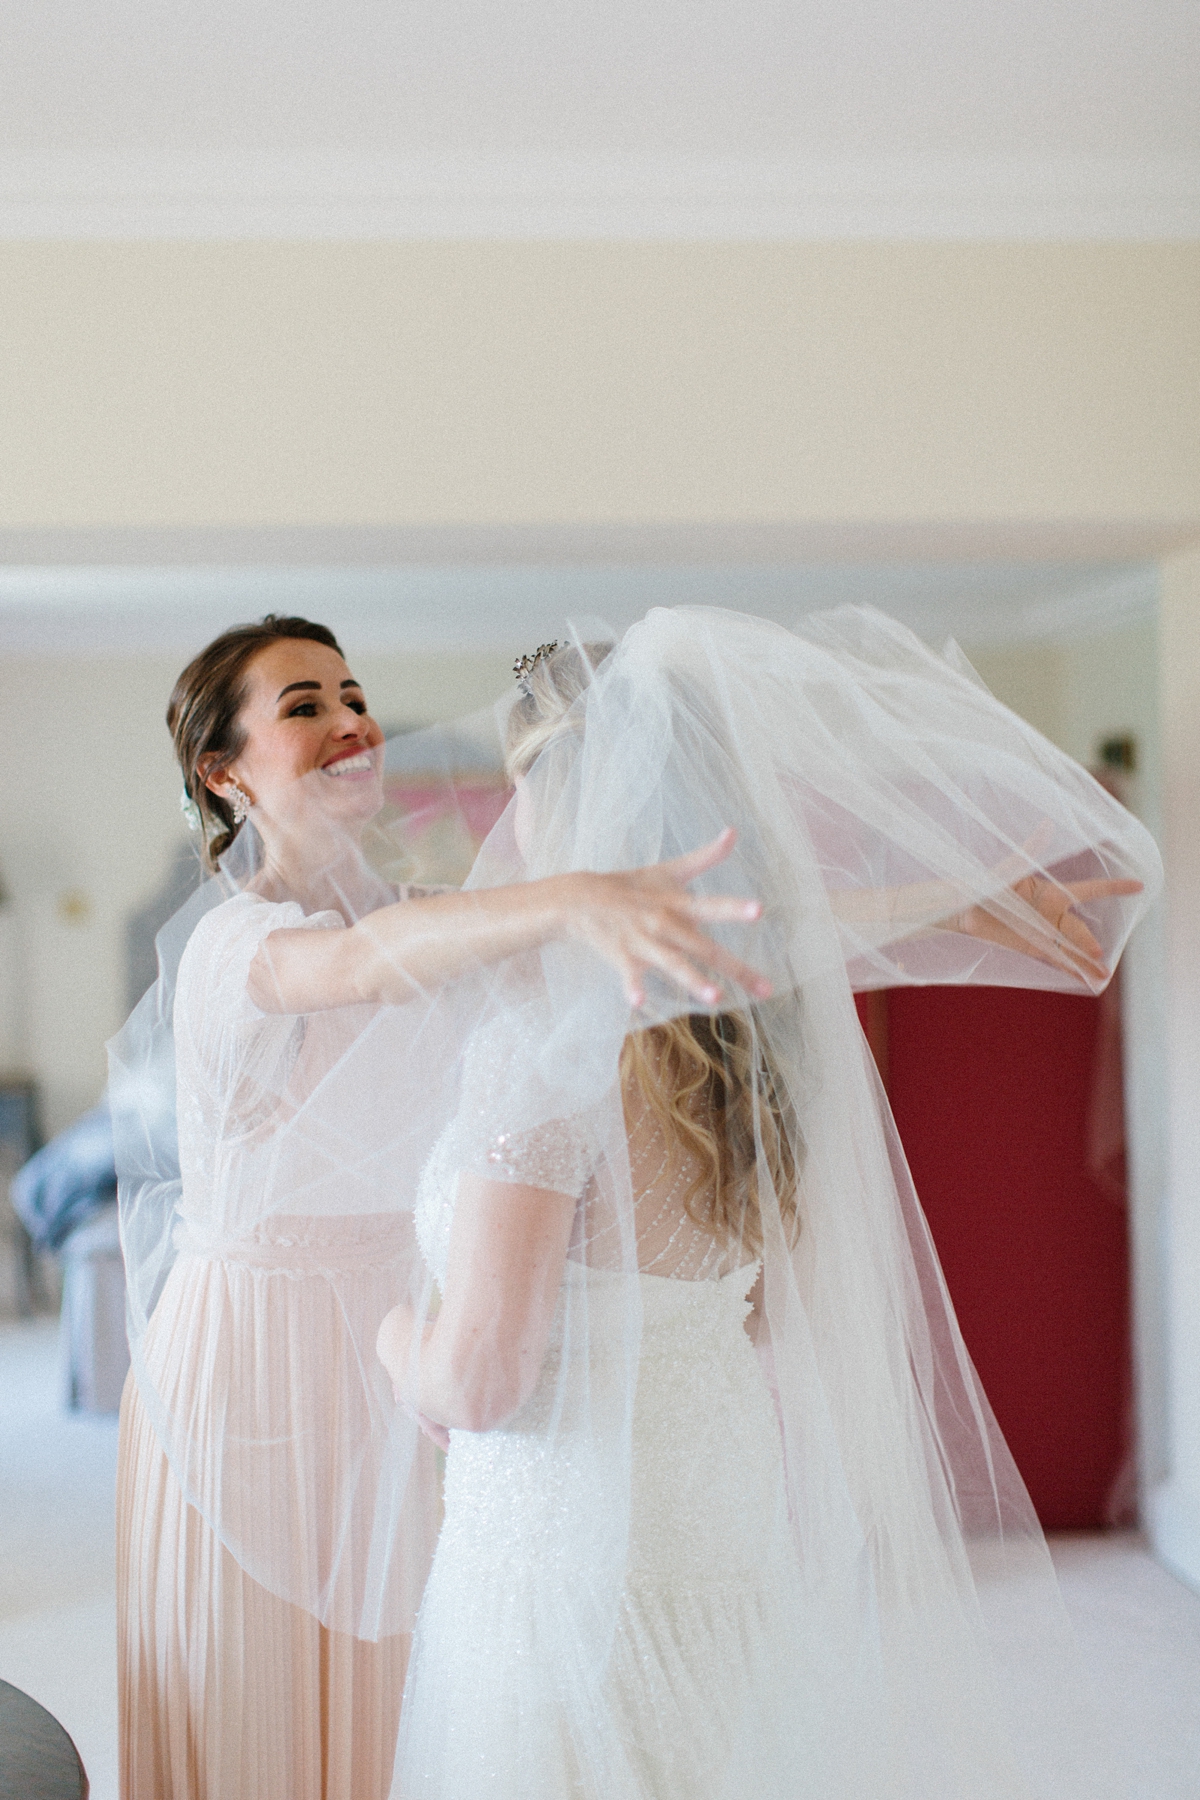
225, 1691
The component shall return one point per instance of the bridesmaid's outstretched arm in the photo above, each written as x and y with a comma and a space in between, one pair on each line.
639, 920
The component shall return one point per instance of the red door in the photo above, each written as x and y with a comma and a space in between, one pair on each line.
996, 1094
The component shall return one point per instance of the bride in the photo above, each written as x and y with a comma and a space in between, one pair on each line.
275, 1519
726, 1511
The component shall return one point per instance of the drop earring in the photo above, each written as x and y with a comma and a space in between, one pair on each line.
240, 802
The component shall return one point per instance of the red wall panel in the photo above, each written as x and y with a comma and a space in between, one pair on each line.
991, 1090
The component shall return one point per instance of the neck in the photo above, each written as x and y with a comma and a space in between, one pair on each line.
324, 871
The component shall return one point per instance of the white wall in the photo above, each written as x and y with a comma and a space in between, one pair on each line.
424, 384
1174, 1513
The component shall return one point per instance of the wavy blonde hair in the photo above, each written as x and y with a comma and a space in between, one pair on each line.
708, 1079
712, 1086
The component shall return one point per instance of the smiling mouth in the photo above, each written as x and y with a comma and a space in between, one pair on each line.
350, 765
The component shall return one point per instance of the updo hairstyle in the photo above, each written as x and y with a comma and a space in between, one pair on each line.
547, 694
204, 712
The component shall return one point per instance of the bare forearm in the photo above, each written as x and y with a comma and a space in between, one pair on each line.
415, 946
423, 944
904, 908
456, 1385
480, 1359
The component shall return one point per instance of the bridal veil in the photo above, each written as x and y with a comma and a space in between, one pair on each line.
879, 793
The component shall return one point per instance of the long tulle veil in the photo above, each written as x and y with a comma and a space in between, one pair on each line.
879, 792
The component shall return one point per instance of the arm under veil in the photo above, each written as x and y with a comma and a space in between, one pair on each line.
887, 806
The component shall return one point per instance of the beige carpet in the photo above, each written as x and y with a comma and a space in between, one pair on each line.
1139, 1628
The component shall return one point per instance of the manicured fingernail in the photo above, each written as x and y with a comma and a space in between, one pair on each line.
711, 994
753, 909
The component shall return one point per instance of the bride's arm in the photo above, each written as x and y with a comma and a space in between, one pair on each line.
479, 1360
640, 920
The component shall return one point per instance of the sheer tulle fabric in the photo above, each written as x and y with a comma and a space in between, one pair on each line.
690, 1564
260, 1272
659, 1599
224, 1688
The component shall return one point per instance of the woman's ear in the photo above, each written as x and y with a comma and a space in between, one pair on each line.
217, 778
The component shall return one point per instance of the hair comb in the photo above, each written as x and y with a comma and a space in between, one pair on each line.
525, 665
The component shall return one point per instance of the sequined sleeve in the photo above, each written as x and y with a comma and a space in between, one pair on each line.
501, 1090
558, 1156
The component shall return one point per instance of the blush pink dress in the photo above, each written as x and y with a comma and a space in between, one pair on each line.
243, 1504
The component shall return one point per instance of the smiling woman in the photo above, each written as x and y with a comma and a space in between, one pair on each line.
226, 713
276, 1512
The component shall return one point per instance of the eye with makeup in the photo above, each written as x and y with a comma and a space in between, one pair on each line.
307, 709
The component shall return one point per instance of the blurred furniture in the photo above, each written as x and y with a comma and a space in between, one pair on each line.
19, 1139
95, 1347
66, 1195
38, 1761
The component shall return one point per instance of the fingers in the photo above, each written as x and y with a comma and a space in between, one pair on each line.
683, 972
1083, 891
1019, 865
691, 963
721, 909
1038, 841
685, 868
1077, 932
1074, 932
704, 951
439, 1434
1061, 953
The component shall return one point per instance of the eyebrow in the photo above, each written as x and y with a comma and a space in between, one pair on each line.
315, 685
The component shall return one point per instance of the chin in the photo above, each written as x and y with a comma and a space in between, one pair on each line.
351, 796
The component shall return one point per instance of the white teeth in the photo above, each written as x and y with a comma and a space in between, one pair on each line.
349, 765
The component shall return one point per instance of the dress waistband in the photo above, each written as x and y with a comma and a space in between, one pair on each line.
358, 1241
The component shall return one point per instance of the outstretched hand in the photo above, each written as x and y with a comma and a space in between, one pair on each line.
645, 920
1072, 946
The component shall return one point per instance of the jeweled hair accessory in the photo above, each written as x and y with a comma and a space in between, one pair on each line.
525, 665
190, 811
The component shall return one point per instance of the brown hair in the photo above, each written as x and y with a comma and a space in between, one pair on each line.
203, 715
709, 1080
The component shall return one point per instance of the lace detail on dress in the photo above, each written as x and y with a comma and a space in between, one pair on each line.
669, 1240
563, 1157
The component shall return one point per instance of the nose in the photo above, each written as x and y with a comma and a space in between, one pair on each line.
352, 724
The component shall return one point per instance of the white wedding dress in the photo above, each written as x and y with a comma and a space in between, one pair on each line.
703, 1635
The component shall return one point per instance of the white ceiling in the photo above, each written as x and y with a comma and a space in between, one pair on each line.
925, 117
84, 611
